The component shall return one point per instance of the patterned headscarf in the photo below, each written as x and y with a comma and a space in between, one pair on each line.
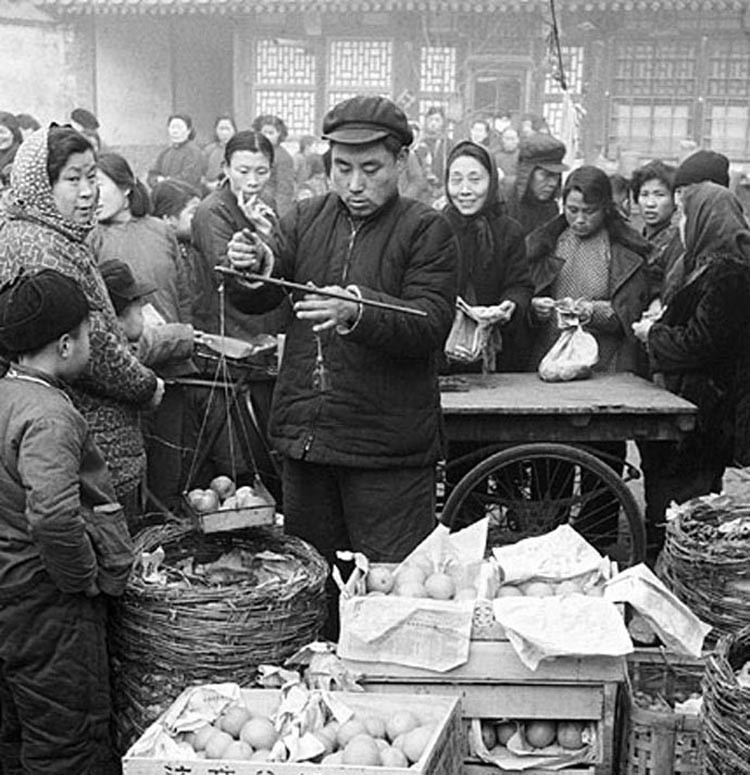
30, 195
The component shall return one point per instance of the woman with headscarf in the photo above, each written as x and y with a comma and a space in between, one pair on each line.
493, 273
51, 211
493, 270
700, 350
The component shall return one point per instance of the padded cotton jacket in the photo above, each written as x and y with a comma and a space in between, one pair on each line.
382, 407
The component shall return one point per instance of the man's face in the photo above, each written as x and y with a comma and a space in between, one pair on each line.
655, 201
364, 176
544, 184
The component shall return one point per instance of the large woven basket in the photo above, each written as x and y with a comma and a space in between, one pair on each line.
167, 637
707, 569
726, 707
658, 740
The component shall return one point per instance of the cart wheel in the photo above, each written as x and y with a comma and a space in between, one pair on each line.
530, 489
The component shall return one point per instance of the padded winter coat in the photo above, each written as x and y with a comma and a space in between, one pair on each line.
382, 408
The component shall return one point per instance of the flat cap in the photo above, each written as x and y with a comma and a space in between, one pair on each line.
543, 150
121, 283
36, 309
362, 120
702, 167
85, 118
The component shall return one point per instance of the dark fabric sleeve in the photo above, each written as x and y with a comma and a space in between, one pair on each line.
48, 464
719, 318
152, 178
518, 286
429, 284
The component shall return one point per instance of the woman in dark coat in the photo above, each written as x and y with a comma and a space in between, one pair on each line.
493, 269
182, 159
590, 253
700, 350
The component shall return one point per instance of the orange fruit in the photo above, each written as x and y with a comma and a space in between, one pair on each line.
201, 736
217, 744
393, 757
440, 586
361, 750
259, 732
350, 730
379, 579
238, 751
401, 722
415, 742
540, 734
233, 719
509, 591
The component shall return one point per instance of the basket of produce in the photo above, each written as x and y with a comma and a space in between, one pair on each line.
726, 706
209, 608
226, 729
662, 722
706, 560
223, 506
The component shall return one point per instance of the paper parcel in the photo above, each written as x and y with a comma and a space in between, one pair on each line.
415, 631
573, 622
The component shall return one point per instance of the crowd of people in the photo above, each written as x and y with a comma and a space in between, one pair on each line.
107, 284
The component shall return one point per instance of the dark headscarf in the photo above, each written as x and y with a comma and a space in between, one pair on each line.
715, 224
474, 232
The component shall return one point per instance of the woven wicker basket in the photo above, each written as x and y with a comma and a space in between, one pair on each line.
726, 708
662, 742
706, 569
165, 638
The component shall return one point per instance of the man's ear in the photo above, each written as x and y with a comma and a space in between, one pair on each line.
402, 158
63, 346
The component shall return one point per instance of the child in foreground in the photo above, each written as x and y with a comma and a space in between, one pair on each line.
64, 544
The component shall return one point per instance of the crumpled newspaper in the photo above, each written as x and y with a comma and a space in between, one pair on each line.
541, 628
195, 707
561, 554
681, 631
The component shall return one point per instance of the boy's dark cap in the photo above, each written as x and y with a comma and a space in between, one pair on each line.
702, 167
362, 120
120, 282
545, 151
36, 309
85, 118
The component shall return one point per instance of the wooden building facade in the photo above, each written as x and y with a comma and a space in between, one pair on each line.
648, 75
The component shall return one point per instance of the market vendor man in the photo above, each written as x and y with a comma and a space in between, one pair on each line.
356, 409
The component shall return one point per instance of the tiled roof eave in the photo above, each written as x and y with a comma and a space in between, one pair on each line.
240, 7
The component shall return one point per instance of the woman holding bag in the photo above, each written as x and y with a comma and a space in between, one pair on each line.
590, 254
699, 350
493, 272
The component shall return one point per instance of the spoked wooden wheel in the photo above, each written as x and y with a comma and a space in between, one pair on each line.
530, 489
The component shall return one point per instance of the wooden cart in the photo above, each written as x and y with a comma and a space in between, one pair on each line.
524, 457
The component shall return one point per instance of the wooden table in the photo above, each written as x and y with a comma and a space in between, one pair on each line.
521, 408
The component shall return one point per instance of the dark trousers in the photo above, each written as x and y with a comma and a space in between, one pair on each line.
664, 482
383, 513
54, 685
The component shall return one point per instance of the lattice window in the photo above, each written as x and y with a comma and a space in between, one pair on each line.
360, 66
285, 84
727, 125
296, 108
553, 115
572, 57
728, 130
339, 96
650, 128
655, 69
437, 69
287, 64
